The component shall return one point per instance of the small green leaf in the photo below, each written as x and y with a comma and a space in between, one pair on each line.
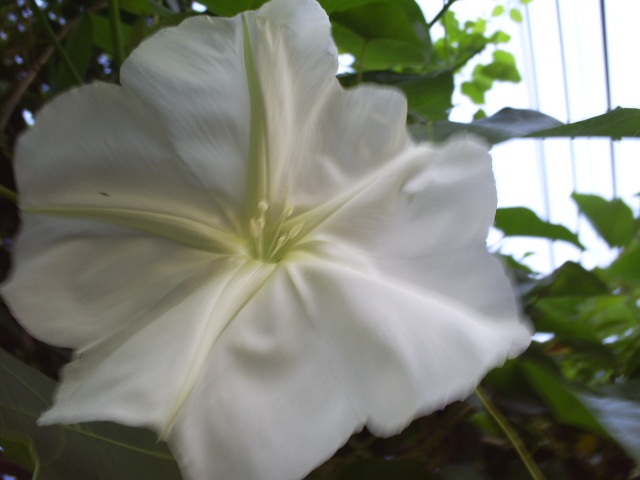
471, 90
137, 7
516, 15
520, 221
497, 11
616, 124
525, 2
502, 68
612, 219
479, 114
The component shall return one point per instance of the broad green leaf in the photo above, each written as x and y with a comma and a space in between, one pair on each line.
102, 33
79, 49
617, 409
566, 406
618, 123
497, 11
522, 222
380, 35
508, 123
612, 219
571, 280
378, 469
428, 96
75, 452
20, 451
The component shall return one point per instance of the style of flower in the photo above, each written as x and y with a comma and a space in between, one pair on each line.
250, 260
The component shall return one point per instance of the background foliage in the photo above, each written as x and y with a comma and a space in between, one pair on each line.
573, 401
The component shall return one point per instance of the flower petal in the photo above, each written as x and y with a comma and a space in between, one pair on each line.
76, 282
192, 77
144, 371
320, 351
98, 147
424, 221
426, 200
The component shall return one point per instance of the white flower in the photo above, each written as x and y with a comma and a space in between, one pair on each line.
250, 260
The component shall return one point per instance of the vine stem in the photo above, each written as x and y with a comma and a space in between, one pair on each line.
116, 31
511, 434
55, 42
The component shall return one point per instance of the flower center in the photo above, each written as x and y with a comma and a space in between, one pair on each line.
269, 241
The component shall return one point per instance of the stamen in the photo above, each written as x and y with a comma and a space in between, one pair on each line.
263, 206
253, 228
295, 230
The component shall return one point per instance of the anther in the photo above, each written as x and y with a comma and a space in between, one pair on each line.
263, 206
288, 211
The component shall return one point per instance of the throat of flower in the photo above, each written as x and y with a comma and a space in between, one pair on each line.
269, 241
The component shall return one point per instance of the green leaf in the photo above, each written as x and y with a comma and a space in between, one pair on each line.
102, 37
617, 409
508, 123
612, 219
566, 406
502, 68
497, 11
428, 96
626, 268
137, 7
522, 222
516, 15
79, 49
571, 280
380, 35
75, 452
618, 123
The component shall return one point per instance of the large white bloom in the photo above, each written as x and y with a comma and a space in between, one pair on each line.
250, 260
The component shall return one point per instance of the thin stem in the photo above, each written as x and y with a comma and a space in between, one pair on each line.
444, 10
511, 434
116, 31
54, 41
8, 194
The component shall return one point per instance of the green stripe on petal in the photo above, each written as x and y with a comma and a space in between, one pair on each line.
188, 232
